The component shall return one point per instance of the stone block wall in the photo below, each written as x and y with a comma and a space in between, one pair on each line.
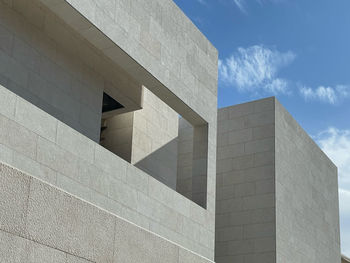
155, 43
307, 207
156, 35
277, 192
147, 138
92, 43
41, 223
44, 62
117, 137
52, 151
245, 200
185, 157
155, 139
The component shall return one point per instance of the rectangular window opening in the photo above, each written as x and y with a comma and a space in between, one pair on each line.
160, 142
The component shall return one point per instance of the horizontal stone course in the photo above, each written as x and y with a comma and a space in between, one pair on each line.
49, 225
245, 214
276, 197
106, 181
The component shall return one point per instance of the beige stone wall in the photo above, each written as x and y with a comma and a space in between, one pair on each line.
185, 159
37, 143
192, 162
45, 62
161, 48
147, 138
155, 139
86, 39
41, 223
307, 205
245, 211
117, 137
277, 192
175, 56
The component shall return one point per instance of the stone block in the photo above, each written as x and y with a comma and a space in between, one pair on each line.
61, 221
187, 256
6, 154
259, 230
110, 163
229, 233
128, 237
17, 137
36, 120
7, 102
17, 249
74, 142
14, 194
74, 259
241, 136
259, 146
265, 131
259, 119
56, 158
6, 37
30, 166
122, 193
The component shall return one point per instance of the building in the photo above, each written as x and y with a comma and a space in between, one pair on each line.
97, 166
344, 259
277, 192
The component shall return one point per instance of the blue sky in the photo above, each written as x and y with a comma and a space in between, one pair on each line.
296, 50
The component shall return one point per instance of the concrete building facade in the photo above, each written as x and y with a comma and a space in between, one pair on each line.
277, 192
59, 60
97, 166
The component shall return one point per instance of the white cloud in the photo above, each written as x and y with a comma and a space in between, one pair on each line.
256, 69
330, 95
202, 2
277, 86
241, 5
336, 144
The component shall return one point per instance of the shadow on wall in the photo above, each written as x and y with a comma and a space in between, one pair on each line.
162, 163
70, 117
174, 165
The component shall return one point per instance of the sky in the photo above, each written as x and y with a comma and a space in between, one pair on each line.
296, 50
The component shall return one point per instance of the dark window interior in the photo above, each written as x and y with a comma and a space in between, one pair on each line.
110, 104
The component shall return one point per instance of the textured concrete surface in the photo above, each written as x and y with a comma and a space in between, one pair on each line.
83, 168
60, 228
277, 193
307, 207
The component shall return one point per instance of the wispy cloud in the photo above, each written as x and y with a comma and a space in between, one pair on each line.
256, 69
241, 5
336, 144
202, 2
330, 95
